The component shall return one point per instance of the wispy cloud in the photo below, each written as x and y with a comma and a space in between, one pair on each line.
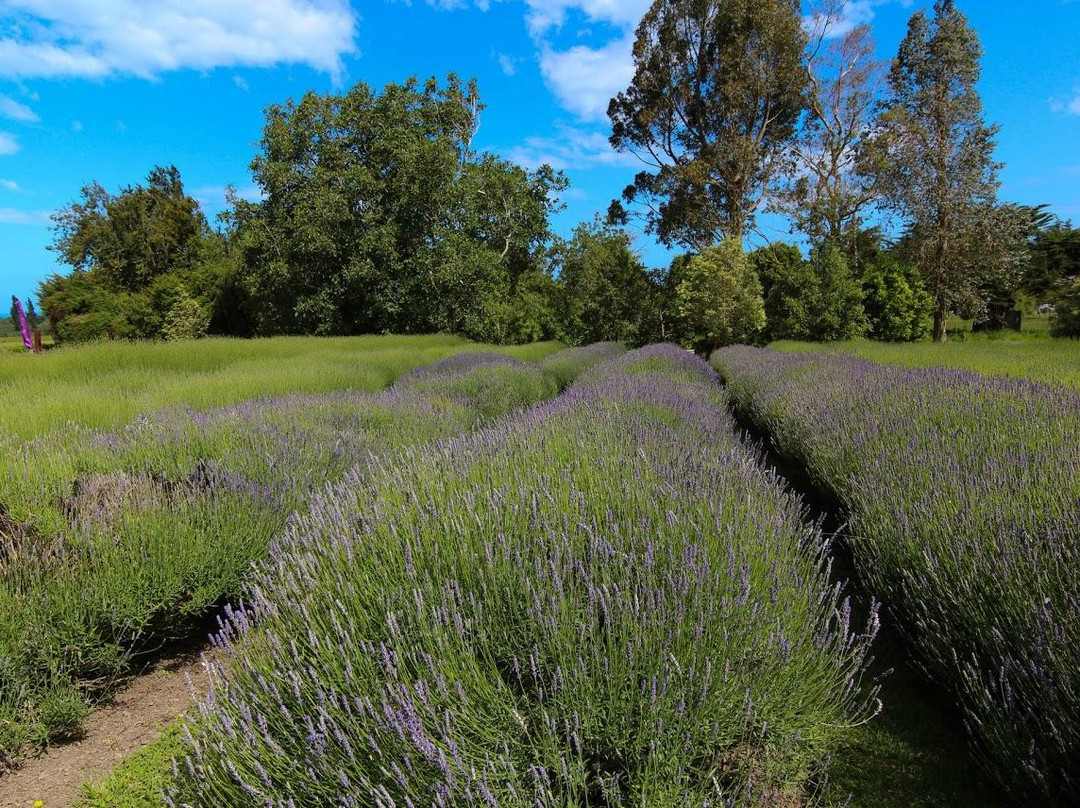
570, 148
10, 185
30, 217
10, 108
8, 143
1068, 105
507, 63
212, 199
74, 38
543, 15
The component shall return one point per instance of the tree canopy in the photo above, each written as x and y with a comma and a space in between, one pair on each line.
377, 215
934, 160
717, 92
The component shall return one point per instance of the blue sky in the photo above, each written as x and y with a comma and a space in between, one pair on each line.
105, 89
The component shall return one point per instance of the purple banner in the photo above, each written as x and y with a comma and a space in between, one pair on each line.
24, 326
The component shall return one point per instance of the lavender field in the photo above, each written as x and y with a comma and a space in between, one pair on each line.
962, 495
116, 541
603, 600
574, 581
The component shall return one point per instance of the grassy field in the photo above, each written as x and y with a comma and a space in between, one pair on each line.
1048, 360
105, 385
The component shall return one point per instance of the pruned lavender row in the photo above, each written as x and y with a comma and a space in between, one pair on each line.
962, 496
138, 533
605, 600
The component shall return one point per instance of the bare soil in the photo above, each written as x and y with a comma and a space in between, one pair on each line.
116, 729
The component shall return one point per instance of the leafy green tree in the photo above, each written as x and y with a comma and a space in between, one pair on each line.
897, 304
775, 262
933, 158
130, 254
717, 91
819, 300
719, 298
186, 318
605, 290
1053, 258
377, 215
132, 237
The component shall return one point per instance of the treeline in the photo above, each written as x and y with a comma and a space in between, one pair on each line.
376, 214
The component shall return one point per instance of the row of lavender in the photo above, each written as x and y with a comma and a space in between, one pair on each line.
605, 600
137, 535
963, 499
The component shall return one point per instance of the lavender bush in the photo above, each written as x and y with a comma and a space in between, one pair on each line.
605, 600
962, 497
140, 533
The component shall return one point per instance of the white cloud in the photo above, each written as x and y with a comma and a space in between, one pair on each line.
32, 217
507, 64
1070, 106
544, 15
64, 38
1067, 105
10, 185
10, 108
584, 80
8, 143
240, 82
570, 148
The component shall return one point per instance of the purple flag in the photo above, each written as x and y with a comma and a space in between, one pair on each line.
23, 325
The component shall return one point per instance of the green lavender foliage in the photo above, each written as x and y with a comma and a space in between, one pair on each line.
961, 495
113, 542
604, 600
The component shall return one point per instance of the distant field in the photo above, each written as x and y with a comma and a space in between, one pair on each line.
1040, 359
104, 385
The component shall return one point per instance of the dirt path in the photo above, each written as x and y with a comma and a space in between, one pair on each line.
115, 730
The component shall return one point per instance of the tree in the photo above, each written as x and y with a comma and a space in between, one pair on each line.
716, 95
1053, 258
132, 237
605, 290
377, 215
719, 298
1066, 319
826, 188
933, 157
31, 314
818, 300
186, 318
897, 304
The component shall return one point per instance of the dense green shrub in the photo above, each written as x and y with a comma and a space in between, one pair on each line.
898, 307
719, 298
818, 300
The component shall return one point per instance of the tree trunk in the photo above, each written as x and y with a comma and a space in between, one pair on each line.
940, 315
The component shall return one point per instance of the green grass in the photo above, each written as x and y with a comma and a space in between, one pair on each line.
913, 755
105, 385
138, 781
1039, 359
